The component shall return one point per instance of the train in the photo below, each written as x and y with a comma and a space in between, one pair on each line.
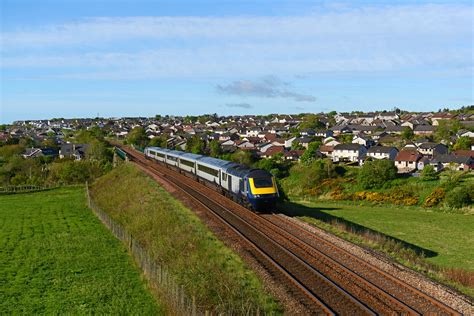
255, 189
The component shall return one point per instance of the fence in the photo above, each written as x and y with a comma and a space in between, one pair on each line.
25, 188
157, 275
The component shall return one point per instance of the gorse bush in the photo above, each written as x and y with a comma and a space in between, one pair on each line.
435, 197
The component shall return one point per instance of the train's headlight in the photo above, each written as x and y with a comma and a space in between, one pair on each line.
257, 195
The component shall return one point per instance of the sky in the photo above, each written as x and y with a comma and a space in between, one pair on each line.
113, 58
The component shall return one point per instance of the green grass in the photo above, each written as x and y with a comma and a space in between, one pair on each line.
176, 238
449, 236
57, 258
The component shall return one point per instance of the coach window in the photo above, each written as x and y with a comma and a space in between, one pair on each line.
212, 172
224, 176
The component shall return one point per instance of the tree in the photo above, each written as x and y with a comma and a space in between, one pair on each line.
137, 136
407, 133
195, 145
159, 141
317, 171
446, 128
97, 150
295, 145
311, 121
429, 173
375, 174
464, 143
215, 148
458, 197
310, 154
243, 157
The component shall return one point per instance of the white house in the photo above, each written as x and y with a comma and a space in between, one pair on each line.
290, 141
348, 152
382, 152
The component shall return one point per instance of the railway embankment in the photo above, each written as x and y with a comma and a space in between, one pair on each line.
174, 237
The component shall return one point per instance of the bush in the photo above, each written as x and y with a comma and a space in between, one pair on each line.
458, 197
435, 197
429, 173
375, 174
403, 196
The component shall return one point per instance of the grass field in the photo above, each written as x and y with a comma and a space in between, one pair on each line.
448, 238
57, 258
176, 238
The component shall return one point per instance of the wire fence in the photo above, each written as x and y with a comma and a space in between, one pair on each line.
157, 274
11, 189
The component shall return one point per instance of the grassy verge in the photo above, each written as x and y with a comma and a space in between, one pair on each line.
57, 258
176, 238
438, 244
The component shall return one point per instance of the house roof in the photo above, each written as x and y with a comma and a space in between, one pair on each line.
464, 153
381, 149
408, 155
348, 147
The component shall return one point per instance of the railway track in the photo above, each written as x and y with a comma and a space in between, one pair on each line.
325, 278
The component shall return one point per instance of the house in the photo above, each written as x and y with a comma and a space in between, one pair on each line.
425, 161
293, 155
465, 133
273, 150
363, 140
432, 149
464, 153
424, 130
407, 160
76, 151
326, 150
340, 129
453, 162
243, 144
304, 141
289, 142
326, 133
382, 152
32, 153
349, 152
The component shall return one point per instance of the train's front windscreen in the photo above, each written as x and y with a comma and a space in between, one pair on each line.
262, 185
263, 182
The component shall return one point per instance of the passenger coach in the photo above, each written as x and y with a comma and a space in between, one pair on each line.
253, 188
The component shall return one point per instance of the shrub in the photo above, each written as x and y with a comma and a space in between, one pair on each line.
429, 173
403, 196
435, 197
375, 174
458, 197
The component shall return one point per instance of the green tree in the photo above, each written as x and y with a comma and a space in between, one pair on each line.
309, 154
407, 133
195, 145
243, 157
446, 128
215, 148
137, 136
317, 171
464, 143
8, 151
98, 151
375, 174
311, 121
295, 145
458, 197
158, 141
429, 173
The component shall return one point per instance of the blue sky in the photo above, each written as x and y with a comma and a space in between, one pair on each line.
122, 58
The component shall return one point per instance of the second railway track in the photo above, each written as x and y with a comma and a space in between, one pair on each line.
326, 278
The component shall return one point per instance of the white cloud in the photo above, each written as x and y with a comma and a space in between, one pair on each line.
371, 39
